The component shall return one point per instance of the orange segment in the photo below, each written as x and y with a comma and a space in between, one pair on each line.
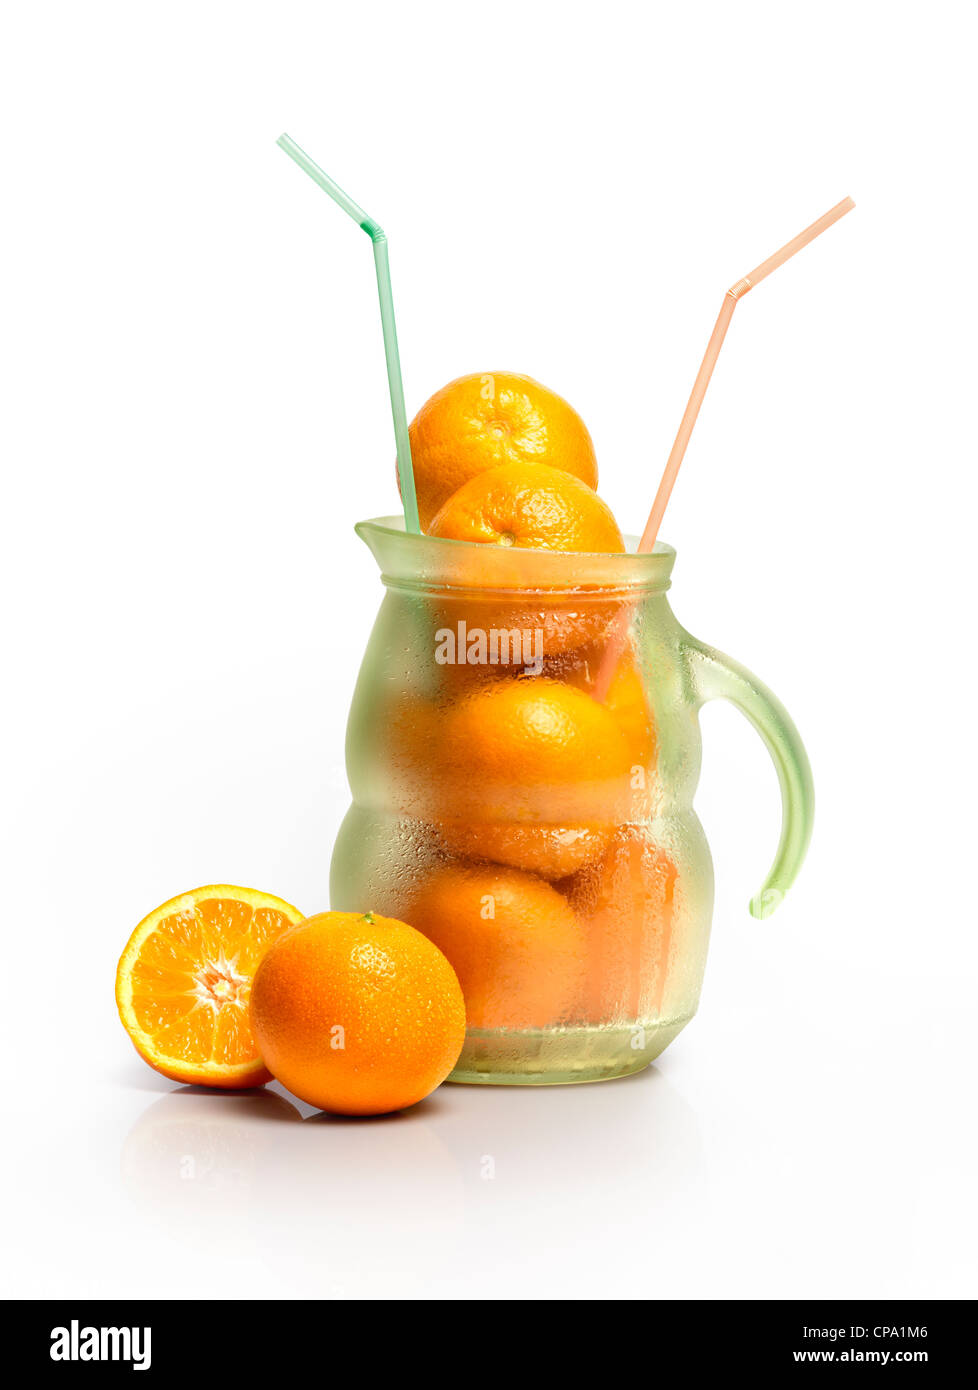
184, 981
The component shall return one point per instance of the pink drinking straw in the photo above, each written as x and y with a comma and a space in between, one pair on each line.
619, 632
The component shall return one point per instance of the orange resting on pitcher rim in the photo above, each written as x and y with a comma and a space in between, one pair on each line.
531, 506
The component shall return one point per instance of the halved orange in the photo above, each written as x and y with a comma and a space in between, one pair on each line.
184, 981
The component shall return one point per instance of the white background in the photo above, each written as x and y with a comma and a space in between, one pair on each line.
195, 414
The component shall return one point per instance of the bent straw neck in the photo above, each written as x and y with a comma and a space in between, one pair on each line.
405, 466
374, 230
731, 299
619, 634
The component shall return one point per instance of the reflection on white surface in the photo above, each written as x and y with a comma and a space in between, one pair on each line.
335, 1207
753, 1161
194, 1158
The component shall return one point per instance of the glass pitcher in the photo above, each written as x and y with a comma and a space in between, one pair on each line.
543, 838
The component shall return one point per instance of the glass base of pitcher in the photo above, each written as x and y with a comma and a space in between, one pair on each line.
561, 1056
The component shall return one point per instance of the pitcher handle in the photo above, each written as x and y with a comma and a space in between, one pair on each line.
717, 676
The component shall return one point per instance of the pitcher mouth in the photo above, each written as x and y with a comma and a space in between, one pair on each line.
418, 561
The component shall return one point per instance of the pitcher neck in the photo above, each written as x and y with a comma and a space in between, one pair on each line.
417, 561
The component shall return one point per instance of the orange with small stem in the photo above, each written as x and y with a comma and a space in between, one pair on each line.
357, 1013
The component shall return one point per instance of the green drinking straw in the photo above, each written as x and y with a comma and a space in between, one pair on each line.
405, 468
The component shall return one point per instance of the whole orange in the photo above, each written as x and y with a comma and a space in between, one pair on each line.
532, 750
488, 418
515, 943
531, 506
357, 1013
